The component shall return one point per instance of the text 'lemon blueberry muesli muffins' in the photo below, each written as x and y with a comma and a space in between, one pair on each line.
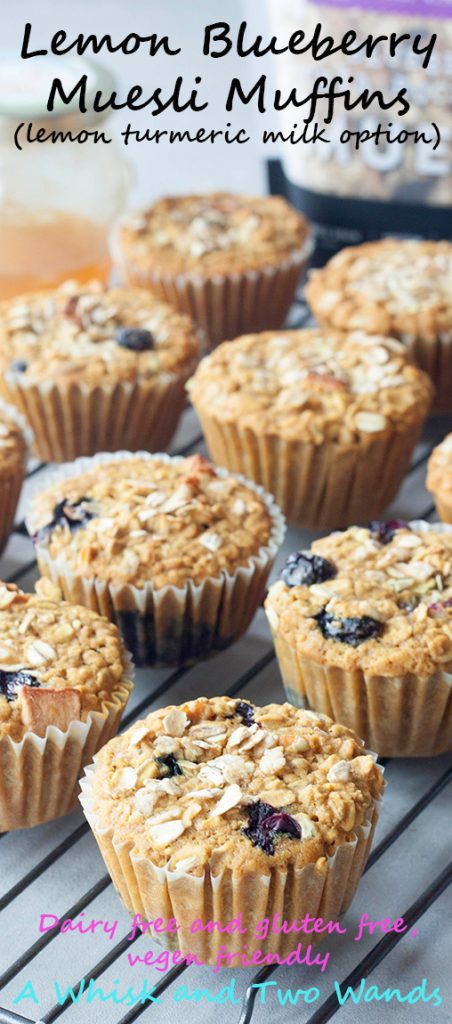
15, 443
232, 262
217, 806
362, 624
65, 678
325, 422
95, 369
439, 478
400, 288
176, 551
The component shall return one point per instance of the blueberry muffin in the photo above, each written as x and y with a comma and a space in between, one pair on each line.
439, 478
325, 422
220, 805
15, 441
401, 288
232, 262
95, 369
173, 550
65, 679
362, 624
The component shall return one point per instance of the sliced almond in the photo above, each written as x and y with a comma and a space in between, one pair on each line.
211, 541
145, 801
339, 772
166, 833
127, 778
175, 722
138, 735
187, 864
370, 422
308, 829
272, 761
231, 797
39, 652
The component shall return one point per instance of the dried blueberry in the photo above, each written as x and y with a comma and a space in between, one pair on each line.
384, 532
138, 339
11, 681
349, 630
169, 762
72, 514
18, 366
265, 821
245, 711
303, 569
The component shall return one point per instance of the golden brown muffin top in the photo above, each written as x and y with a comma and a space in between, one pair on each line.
439, 469
216, 233
377, 599
155, 520
223, 783
393, 287
58, 662
91, 334
312, 385
15, 440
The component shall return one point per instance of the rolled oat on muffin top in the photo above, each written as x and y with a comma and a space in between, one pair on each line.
377, 599
216, 233
222, 784
58, 662
90, 334
395, 287
312, 385
139, 520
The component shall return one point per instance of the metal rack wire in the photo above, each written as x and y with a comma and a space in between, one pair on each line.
416, 803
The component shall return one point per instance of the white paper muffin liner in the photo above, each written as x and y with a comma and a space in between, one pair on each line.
400, 716
81, 419
11, 482
39, 774
169, 625
228, 305
323, 890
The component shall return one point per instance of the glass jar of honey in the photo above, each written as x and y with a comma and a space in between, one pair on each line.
63, 189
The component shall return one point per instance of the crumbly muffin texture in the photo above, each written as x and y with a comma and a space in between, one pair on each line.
376, 599
13, 445
138, 520
214, 233
224, 783
91, 333
439, 471
58, 661
312, 385
393, 287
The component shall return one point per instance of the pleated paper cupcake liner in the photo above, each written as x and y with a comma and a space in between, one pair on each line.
39, 775
228, 305
169, 626
320, 891
79, 419
319, 487
399, 716
11, 482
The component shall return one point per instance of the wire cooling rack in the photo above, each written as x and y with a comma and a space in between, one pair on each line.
56, 868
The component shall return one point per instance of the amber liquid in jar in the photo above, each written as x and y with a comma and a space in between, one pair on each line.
43, 253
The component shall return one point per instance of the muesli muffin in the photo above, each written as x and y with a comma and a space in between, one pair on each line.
15, 442
95, 369
65, 678
232, 262
175, 551
401, 288
325, 422
439, 478
218, 806
362, 624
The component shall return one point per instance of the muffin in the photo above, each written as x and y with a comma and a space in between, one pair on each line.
176, 552
232, 262
15, 441
439, 478
401, 288
95, 369
362, 624
325, 422
65, 679
218, 807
